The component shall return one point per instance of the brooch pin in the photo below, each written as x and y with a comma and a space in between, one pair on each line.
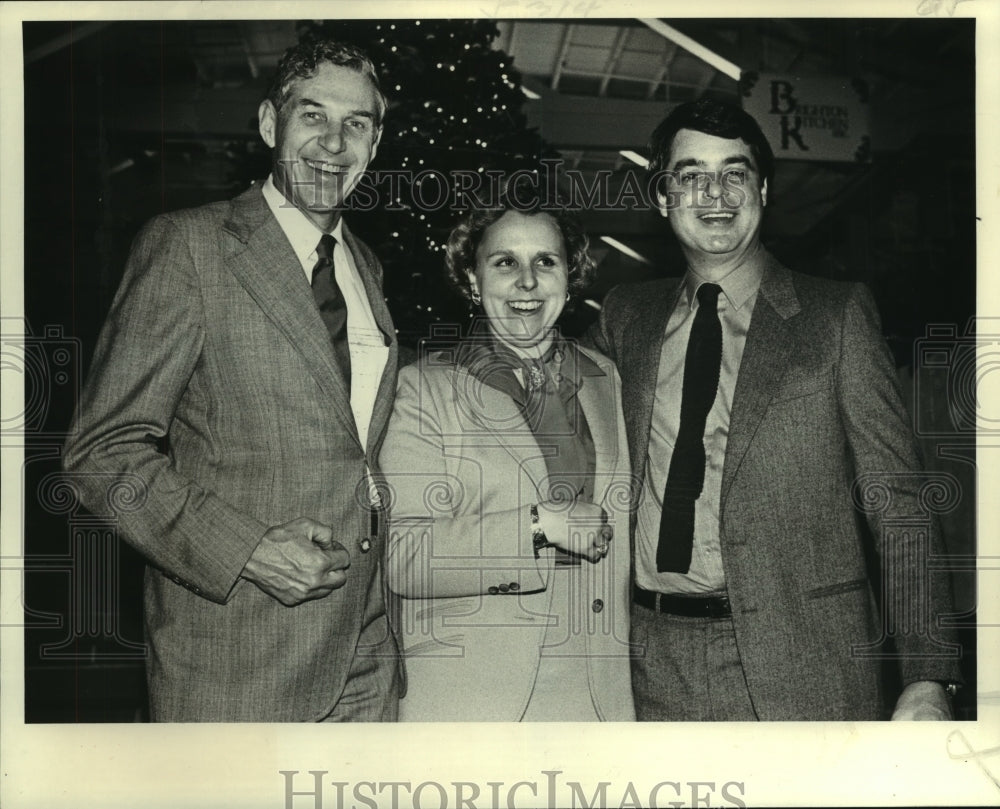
536, 378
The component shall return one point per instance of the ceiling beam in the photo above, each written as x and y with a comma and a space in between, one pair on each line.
71, 37
511, 37
572, 71
720, 63
248, 51
204, 75
668, 61
563, 50
604, 124
506, 36
614, 58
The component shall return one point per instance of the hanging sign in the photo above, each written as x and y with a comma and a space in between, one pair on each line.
810, 117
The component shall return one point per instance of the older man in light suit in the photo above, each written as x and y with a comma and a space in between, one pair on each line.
241, 386
759, 403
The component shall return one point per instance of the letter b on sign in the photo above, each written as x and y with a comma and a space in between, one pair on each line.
782, 101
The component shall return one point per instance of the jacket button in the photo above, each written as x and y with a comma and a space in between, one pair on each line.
598, 605
493, 590
504, 588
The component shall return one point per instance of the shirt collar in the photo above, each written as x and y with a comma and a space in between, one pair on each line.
738, 287
302, 234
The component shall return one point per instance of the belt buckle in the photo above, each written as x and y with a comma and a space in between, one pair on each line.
719, 607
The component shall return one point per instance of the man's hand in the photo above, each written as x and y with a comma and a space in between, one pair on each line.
298, 561
581, 529
924, 700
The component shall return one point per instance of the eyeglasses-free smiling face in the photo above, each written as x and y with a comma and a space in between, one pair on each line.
322, 138
522, 275
716, 196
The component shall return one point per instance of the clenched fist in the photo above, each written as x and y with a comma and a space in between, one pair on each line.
298, 561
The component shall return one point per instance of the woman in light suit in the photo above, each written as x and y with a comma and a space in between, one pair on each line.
506, 466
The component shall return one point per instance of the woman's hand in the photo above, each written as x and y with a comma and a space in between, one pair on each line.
577, 527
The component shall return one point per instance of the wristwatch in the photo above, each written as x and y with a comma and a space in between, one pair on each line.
538, 538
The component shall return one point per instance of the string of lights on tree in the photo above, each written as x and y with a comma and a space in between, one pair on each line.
455, 112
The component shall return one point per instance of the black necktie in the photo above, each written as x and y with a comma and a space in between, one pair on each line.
331, 303
687, 465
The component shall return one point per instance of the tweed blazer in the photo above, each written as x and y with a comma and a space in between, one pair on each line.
214, 348
821, 473
462, 467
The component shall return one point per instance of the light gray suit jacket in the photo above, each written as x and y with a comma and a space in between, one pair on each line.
462, 467
214, 347
816, 411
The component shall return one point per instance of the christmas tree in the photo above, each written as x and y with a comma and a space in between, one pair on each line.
453, 135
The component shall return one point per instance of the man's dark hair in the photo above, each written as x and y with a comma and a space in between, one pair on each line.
718, 118
302, 61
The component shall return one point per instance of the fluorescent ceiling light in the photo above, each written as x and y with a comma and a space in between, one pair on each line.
530, 93
703, 53
127, 163
635, 157
592, 304
624, 248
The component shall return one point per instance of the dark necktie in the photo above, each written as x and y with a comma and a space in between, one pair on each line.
331, 303
687, 464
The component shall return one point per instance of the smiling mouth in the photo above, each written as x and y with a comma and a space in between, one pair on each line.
525, 307
326, 168
717, 217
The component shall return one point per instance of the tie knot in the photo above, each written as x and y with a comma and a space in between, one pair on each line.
324, 250
708, 294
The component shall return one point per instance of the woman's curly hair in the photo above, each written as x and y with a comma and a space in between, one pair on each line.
465, 238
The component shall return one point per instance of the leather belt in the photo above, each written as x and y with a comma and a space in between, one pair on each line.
687, 606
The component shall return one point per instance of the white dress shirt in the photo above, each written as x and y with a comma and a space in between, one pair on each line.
367, 344
735, 306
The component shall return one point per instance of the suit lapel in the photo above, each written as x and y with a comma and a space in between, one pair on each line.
268, 269
372, 280
596, 396
371, 277
769, 347
640, 365
499, 417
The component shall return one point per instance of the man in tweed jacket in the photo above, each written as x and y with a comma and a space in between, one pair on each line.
216, 394
773, 615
